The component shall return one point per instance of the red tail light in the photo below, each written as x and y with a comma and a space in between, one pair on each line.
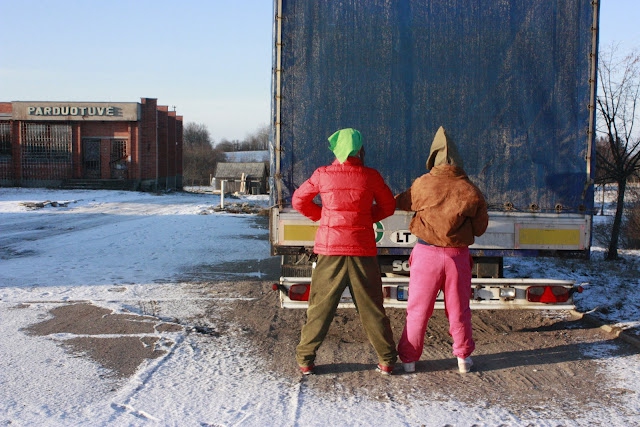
548, 294
386, 291
299, 292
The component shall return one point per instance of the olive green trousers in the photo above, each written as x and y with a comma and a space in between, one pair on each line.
329, 279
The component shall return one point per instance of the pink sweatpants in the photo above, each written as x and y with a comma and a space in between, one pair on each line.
433, 269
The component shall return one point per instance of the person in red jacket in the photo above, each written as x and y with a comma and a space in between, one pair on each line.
353, 197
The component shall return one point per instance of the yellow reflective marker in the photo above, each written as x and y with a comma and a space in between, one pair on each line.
300, 233
549, 237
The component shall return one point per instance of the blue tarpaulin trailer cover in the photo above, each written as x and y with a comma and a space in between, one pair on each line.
512, 82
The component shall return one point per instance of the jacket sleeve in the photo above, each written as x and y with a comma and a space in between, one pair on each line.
385, 203
412, 198
403, 200
302, 199
480, 221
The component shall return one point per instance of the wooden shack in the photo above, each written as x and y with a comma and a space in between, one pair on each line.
243, 178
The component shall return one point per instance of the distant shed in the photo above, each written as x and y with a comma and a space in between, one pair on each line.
248, 178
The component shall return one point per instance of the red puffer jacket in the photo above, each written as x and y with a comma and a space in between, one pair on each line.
348, 211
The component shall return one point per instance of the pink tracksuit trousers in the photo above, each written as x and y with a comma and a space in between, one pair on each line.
433, 269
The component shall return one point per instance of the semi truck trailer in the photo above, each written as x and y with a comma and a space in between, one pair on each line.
513, 82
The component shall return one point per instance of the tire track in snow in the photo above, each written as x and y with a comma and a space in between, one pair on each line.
138, 383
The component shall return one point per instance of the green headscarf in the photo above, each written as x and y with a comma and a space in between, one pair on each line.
344, 143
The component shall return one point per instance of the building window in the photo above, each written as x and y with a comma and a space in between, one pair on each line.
47, 142
118, 150
46, 151
119, 159
5, 139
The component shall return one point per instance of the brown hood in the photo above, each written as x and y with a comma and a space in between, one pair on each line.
443, 151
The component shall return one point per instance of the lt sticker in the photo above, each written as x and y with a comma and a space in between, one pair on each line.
403, 237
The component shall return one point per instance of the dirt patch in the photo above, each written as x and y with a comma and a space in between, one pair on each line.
87, 319
525, 360
94, 329
120, 355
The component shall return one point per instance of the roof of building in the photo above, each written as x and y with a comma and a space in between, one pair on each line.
235, 170
247, 156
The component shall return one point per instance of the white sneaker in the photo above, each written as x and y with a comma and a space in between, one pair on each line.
409, 367
464, 365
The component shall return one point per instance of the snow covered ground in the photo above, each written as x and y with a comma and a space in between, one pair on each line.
143, 255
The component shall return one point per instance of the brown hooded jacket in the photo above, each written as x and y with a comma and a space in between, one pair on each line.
449, 209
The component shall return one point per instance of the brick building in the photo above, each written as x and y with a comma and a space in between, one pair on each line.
129, 145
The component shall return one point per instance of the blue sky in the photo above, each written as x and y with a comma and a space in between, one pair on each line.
211, 59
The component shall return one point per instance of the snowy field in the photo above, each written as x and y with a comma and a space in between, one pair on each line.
129, 246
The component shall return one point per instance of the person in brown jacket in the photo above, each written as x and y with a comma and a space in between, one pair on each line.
450, 211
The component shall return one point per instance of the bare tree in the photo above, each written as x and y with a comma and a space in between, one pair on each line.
226, 145
195, 134
255, 141
200, 158
617, 104
258, 140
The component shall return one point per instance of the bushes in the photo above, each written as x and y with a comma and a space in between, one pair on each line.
630, 234
605, 205
199, 162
